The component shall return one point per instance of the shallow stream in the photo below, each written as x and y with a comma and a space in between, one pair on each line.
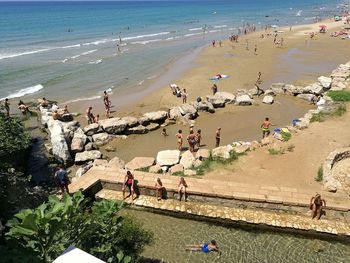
237, 245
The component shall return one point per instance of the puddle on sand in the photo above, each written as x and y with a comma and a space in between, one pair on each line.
173, 234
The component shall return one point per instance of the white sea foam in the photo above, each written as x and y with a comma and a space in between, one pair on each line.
221, 26
195, 29
310, 18
193, 34
147, 41
25, 91
146, 36
88, 52
71, 46
13, 55
213, 31
95, 62
83, 99
98, 42
140, 83
299, 13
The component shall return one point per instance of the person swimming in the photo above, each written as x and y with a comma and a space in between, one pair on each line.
205, 248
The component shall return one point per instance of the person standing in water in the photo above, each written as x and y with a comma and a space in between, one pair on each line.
217, 137
199, 138
179, 138
191, 139
265, 127
184, 96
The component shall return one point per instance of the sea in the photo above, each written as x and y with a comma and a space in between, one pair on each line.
73, 51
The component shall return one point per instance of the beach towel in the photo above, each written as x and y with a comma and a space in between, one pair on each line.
217, 77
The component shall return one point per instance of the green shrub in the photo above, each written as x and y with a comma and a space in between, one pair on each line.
319, 177
318, 117
340, 110
339, 95
275, 152
286, 136
321, 116
209, 164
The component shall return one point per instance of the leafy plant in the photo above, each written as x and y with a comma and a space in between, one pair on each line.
209, 163
55, 225
319, 177
13, 136
339, 95
286, 136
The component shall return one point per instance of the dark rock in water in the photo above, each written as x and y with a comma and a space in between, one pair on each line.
67, 117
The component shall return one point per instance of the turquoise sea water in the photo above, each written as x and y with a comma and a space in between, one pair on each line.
68, 50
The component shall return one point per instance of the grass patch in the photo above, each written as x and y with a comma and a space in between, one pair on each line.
286, 136
144, 169
321, 116
275, 152
319, 177
212, 163
181, 174
339, 95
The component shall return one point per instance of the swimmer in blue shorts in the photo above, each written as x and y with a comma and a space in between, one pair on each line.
206, 248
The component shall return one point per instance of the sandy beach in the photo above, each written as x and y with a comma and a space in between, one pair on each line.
299, 61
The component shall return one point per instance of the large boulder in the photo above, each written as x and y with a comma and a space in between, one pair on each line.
187, 160
113, 125
202, 154
101, 138
223, 152
117, 163
205, 106
152, 126
177, 168
243, 100
307, 97
140, 163
168, 157
314, 88
156, 169
137, 130
228, 97
278, 88
325, 82
268, 99
130, 121
72, 125
156, 116
216, 102
78, 141
241, 148
91, 129
293, 90
269, 92
67, 117
175, 113
188, 109
59, 145
87, 156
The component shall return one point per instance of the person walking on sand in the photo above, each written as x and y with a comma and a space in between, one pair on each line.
182, 189
179, 138
184, 96
89, 116
7, 107
191, 139
107, 104
129, 183
316, 204
256, 50
214, 89
217, 137
213, 43
265, 127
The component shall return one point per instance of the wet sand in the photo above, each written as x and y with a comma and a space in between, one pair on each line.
238, 124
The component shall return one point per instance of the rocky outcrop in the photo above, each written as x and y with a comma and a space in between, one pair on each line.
314, 88
137, 130
155, 169
188, 110
156, 116
86, 156
168, 157
140, 163
175, 113
202, 154
187, 160
113, 125
244, 100
205, 106
223, 152
278, 88
91, 129
78, 141
177, 168
325, 82
152, 126
116, 162
268, 99
59, 145
307, 97
228, 97
101, 138
216, 102
130, 121
334, 181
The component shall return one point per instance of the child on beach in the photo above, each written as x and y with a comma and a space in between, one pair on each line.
179, 138
97, 118
217, 137
182, 189
265, 127
198, 137
184, 96
164, 132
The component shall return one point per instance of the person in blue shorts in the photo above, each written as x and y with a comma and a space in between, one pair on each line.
205, 248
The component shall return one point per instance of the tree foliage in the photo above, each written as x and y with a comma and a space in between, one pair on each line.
13, 136
98, 229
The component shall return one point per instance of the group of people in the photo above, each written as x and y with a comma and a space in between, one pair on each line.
193, 139
175, 90
91, 118
213, 43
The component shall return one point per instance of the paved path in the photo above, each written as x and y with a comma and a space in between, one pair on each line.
215, 188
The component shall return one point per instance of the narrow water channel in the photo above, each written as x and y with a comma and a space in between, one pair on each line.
238, 245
